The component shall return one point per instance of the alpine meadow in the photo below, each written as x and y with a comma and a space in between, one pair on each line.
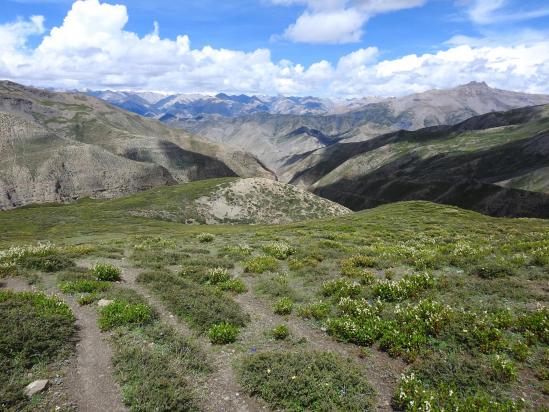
276, 205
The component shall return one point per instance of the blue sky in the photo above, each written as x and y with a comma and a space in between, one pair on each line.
306, 33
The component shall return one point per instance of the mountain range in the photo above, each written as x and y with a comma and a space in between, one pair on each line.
276, 130
472, 146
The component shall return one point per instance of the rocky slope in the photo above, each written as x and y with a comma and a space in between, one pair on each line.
58, 147
490, 163
227, 200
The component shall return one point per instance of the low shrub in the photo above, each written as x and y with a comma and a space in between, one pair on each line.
306, 381
200, 305
414, 395
355, 266
223, 333
106, 272
280, 332
261, 264
236, 251
503, 369
233, 285
49, 263
283, 306
492, 270
279, 250
317, 310
408, 286
83, 286
536, 324
35, 330
341, 288
121, 313
156, 368
205, 237
88, 298
217, 275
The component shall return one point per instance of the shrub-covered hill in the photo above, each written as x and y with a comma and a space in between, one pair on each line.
406, 304
226, 200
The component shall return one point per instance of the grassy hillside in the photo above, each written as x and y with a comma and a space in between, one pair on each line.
477, 164
407, 304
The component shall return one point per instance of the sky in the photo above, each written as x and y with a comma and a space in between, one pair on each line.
326, 48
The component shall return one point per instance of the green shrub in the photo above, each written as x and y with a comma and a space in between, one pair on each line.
106, 272
236, 251
156, 367
261, 264
503, 369
154, 242
233, 285
121, 313
283, 306
279, 250
355, 266
341, 288
493, 270
306, 381
317, 310
83, 286
280, 332
205, 237
223, 333
35, 331
200, 305
217, 275
7, 270
88, 299
414, 395
535, 323
48, 263
408, 286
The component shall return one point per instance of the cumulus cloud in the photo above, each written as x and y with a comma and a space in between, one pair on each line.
337, 21
92, 49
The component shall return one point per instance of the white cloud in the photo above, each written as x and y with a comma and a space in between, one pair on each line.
334, 26
500, 11
337, 21
91, 49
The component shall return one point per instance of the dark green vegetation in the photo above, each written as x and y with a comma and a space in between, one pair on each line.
202, 306
459, 297
35, 331
497, 164
106, 272
156, 368
306, 381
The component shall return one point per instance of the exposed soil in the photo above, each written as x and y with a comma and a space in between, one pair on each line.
220, 392
91, 382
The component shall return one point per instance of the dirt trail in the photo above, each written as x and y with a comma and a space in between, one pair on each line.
16, 284
220, 392
382, 371
88, 378
91, 383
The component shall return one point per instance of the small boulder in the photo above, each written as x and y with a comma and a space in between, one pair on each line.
36, 387
104, 302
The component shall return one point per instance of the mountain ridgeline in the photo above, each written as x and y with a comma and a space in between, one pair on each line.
279, 129
58, 147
